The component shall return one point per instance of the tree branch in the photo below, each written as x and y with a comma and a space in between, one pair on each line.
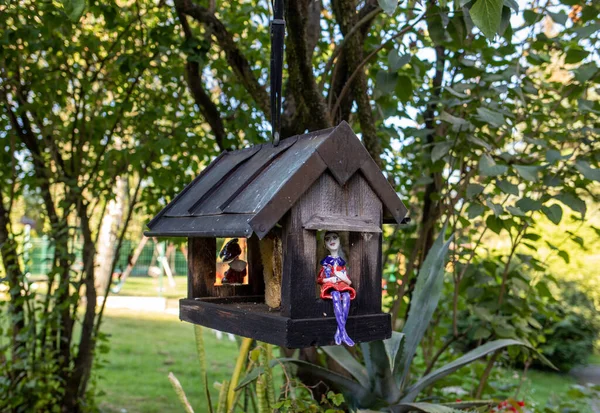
235, 58
347, 17
193, 78
308, 108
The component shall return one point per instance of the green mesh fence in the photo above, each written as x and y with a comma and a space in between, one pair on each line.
40, 253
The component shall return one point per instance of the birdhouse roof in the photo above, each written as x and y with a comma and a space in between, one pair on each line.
249, 190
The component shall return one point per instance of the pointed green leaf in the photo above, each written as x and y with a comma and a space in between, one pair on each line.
527, 172
573, 202
74, 9
396, 61
388, 6
440, 150
343, 357
507, 187
426, 295
486, 15
490, 117
423, 407
560, 18
474, 190
496, 208
451, 367
553, 212
392, 348
383, 382
475, 210
494, 223
586, 170
489, 167
516, 211
527, 204
479, 142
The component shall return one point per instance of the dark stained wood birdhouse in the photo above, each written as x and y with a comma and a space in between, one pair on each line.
280, 199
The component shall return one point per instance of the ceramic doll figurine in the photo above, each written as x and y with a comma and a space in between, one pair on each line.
335, 285
237, 268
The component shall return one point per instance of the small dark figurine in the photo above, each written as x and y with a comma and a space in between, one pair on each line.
335, 285
237, 268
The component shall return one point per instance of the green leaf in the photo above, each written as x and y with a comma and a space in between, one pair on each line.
475, 210
494, 223
481, 333
388, 6
479, 142
576, 54
516, 211
393, 346
587, 31
440, 150
347, 385
527, 204
496, 208
552, 155
435, 25
425, 298
507, 187
512, 4
74, 9
396, 61
343, 357
490, 117
451, 367
458, 124
404, 88
383, 382
486, 15
586, 170
565, 256
560, 18
422, 407
474, 190
385, 82
585, 72
488, 167
553, 212
573, 202
504, 21
527, 172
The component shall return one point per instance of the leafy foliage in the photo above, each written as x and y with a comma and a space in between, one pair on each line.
383, 382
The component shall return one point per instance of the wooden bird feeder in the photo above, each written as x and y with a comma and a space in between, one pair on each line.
279, 198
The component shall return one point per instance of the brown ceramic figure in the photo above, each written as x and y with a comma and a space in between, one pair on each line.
237, 268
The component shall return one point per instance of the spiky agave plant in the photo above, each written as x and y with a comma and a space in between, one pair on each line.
382, 382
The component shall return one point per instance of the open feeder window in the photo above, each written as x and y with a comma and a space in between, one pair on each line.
232, 264
283, 201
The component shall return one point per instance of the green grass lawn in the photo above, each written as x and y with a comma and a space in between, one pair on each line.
144, 348
149, 287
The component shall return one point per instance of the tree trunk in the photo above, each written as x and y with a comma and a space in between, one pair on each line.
109, 229
14, 276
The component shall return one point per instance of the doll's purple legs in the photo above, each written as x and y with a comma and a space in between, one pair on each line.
341, 308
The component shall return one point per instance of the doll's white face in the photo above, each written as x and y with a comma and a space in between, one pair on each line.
332, 241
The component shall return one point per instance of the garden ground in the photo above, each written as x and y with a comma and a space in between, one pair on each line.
143, 347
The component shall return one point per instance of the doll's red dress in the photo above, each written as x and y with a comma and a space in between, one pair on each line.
329, 265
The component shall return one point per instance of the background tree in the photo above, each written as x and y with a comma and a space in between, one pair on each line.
483, 114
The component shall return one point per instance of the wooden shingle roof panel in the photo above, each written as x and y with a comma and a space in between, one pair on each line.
265, 187
243, 175
202, 189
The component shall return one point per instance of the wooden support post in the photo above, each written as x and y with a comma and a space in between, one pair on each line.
202, 267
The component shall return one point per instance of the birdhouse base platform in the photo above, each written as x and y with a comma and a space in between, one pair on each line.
250, 317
